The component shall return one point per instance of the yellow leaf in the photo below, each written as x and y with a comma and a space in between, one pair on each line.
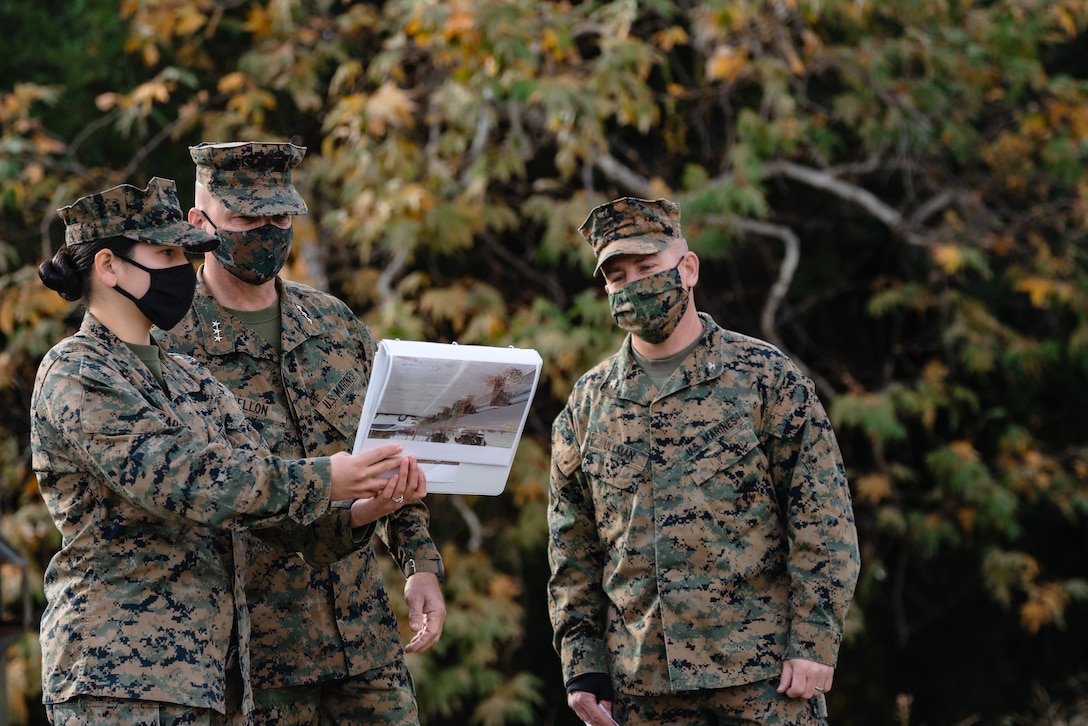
150, 55
670, 37
413, 200
1078, 123
146, 94
389, 106
1033, 616
1045, 606
461, 22
797, 67
873, 488
934, 370
726, 63
252, 104
549, 39
949, 257
966, 517
259, 22
503, 587
1035, 125
676, 90
1041, 289
233, 82
1067, 22
965, 449
47, 144
34, 172
188, 21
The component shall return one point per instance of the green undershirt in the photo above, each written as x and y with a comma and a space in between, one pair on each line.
265, 322
661, 369
149, 356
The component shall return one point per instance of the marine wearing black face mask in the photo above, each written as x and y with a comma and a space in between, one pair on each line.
169, 296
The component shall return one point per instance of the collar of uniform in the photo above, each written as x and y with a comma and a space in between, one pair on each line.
96, 329
223, 334
627, 380
705, 362
298, 325
175, 382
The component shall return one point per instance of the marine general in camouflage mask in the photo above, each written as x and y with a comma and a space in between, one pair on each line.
244, 195
701, 537
326, 644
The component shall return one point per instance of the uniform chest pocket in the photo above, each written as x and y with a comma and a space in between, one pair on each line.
729, 446
609, 462
342, 403
236, 426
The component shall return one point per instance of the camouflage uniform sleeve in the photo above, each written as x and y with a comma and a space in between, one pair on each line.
207, 471
407, 535
576, 601
811, 484
328, 540
322, 542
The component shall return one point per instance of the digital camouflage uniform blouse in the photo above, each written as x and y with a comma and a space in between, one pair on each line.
309, 624
701, 534
141, 597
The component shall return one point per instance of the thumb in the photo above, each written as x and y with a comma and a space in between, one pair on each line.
787, 677
415, 613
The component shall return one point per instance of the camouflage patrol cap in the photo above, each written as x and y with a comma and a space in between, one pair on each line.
145, 215
631, 226
251, 178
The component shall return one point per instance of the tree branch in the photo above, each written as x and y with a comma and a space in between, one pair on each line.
867, 200
618, 172
397, 262
554, 289
791, 257
848, 192
475, 529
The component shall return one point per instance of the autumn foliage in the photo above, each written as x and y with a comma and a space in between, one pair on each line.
892, 192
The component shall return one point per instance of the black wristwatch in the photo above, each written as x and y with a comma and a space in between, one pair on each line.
412, 566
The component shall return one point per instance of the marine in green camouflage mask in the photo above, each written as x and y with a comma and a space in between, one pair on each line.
246, 196
253, 255
652, 307
647, 268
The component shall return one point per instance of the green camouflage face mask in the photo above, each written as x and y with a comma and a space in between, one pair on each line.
651, 308
254, 255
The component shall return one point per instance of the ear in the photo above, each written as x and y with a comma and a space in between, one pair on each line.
197, 219
105, 266
689, 270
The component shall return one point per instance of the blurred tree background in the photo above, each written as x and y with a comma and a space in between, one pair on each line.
892, 192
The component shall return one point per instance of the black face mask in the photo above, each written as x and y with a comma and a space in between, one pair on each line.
170, 295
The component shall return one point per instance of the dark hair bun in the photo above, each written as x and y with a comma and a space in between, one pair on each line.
61, 274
